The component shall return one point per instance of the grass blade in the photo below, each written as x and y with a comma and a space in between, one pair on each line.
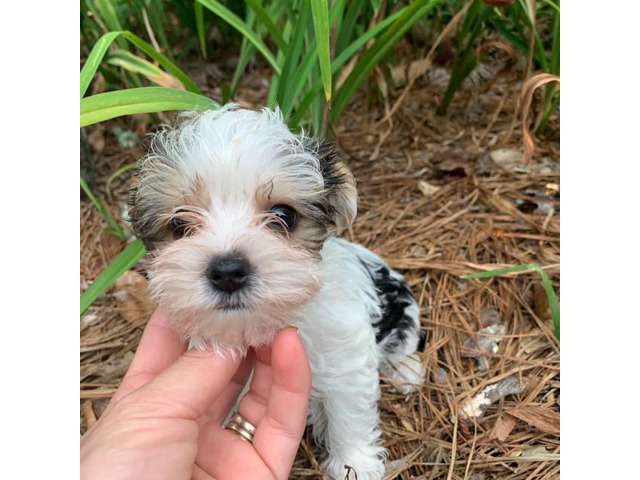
237, 23
197, 7
271, 27
302, 74
120, 171
290, 66
105, 106
135, 64
108, 14
348, 24
90, 67
126, 259
546, 284
99, 204
320, 12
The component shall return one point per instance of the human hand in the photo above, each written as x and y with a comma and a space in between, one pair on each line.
164, 420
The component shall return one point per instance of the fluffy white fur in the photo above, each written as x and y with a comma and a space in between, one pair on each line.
221, 171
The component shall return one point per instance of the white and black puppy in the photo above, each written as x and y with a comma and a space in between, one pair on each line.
239, 215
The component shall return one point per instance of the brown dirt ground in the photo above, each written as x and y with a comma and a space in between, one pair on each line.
480, 215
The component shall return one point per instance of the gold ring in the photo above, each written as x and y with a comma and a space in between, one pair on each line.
242, 427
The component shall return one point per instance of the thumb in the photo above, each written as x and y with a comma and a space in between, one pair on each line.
193, 382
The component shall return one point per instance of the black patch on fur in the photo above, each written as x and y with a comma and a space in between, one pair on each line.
422, 341
333, 176
395, 296
329, 159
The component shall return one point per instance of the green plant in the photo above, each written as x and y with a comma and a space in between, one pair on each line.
303, 83
546, 284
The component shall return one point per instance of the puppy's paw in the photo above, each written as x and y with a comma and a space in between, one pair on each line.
360, 467
406, 374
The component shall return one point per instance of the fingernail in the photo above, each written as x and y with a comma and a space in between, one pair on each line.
289, 325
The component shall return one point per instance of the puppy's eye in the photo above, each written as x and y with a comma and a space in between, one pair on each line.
179, 227
287, 215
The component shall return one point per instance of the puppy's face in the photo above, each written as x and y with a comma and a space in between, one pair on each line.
234, 209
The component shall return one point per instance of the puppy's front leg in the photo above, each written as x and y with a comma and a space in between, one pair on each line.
352, 435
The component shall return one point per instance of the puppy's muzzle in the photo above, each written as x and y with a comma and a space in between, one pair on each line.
229, 272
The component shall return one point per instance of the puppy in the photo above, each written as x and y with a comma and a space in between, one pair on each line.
239, 215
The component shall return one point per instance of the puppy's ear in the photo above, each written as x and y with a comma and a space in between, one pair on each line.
140, 223
144, 209
339, 184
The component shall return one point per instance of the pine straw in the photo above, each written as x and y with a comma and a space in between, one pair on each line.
469, 224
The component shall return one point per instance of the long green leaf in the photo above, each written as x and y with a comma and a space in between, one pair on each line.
348, 24
552, 5
247, 50
546, 284
266, 20
126, 259
197, 7
102, 45
120, 171
108, 14
320, 11
296, 45
237, 23
379, 49
302, 73
90, 67
105, 106
135, 64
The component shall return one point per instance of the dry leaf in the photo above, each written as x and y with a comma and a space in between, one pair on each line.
502, 428
542, 418
507, 158
526, 96
477, 406
427, 189
541, 302
552, 188
455, 161
134, 302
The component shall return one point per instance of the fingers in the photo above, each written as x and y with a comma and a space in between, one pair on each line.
158, 349
188, 387
254, 404
221, 406
279, 433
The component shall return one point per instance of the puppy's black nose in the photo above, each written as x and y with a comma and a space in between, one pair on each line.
229, 273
